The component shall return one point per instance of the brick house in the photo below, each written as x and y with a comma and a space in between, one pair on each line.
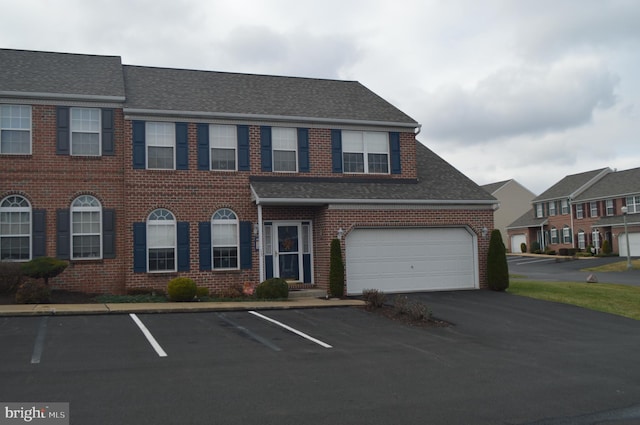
138, 174
582, 211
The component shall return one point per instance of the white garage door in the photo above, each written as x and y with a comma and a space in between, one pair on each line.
411, 259
516, 240
634, 244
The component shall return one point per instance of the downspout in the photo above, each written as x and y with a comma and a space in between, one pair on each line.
260, 256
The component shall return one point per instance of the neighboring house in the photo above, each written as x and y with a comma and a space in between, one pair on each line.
515, 200
583, 210
138, 174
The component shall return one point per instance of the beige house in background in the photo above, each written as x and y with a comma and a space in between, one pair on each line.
515, 200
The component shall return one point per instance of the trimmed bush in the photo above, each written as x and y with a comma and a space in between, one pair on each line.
44, 268
10, 276
272, 289
373, 298
535, 247
523, 247
181, 289
33, 292
497, 268
606, 247
202, 292
336, 270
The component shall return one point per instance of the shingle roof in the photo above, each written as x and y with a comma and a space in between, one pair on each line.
65, 75
180, 90
616, 184
437, 181
492, 187
569, 185
527, 220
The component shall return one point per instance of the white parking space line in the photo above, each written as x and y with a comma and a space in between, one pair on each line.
535, 261
39, 344
148, 335
290, 329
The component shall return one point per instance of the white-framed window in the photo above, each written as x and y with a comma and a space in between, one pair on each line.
582, 242
554, 235
15, 229
225, 239
539, 211
85, 132
161, 241
268, 236
365, 152
566, 234
306, 238
86, 228
610, 207
161, 145
15, 129
593, 209
223, 142
284, 144
633, 204
552, 208
564, 207
579, 211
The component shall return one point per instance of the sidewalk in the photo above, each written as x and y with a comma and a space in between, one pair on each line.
170, 307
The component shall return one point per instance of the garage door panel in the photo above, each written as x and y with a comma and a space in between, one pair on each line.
516, 240
634, 244
404, 260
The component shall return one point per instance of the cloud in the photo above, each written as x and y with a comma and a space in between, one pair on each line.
524, 100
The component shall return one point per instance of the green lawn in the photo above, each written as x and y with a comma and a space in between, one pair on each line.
622, 300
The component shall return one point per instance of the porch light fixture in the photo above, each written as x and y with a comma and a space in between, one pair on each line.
340, 233
626, 234
485, 232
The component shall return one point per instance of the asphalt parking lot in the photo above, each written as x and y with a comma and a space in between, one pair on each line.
504, 360
550, 268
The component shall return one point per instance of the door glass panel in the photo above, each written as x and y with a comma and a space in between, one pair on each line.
287, 239
288, 258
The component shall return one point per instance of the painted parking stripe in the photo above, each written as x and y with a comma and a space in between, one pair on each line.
148, 335
39, 344
247, 332
290, 329
536, 261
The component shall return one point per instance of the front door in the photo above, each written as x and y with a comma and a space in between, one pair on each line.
288, 251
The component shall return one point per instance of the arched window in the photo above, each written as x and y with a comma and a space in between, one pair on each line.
86, 228
161, 241
224, 239
15, 229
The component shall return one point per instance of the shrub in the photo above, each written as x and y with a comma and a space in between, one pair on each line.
272, 289
535, 247
230, 292
497, 268
523, 247
181, 289
44, 268
373, 298
415, 310
202, 292
10, 277
336, 270
606, 247
33, 292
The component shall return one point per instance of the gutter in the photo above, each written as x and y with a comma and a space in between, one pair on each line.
268, 117
324, 201
62, 96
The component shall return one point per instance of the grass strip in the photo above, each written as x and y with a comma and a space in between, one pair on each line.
622, 300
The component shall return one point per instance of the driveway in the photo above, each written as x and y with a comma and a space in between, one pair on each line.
548, 268
505, 360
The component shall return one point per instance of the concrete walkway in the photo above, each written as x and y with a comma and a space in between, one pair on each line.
171, 307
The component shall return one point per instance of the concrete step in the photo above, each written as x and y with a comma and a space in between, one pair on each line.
307, 293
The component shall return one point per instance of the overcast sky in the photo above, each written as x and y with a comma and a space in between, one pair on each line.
529, 90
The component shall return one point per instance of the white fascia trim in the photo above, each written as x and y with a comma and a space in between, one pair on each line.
62, 96
266, 117
317, 201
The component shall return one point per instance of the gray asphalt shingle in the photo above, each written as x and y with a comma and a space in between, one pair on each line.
613, 185
568, 185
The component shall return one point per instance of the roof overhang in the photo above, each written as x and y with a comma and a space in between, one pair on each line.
62, 96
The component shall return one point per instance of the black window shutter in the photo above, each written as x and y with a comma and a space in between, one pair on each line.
182, 146
39, 233
204, 242
245, 245
336, 151
62, 130
108, 142
394, 148
244, 163
202, 131
139, 157
183, 246
63, 236
108, 233
139, 247
265, 148
303, 150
